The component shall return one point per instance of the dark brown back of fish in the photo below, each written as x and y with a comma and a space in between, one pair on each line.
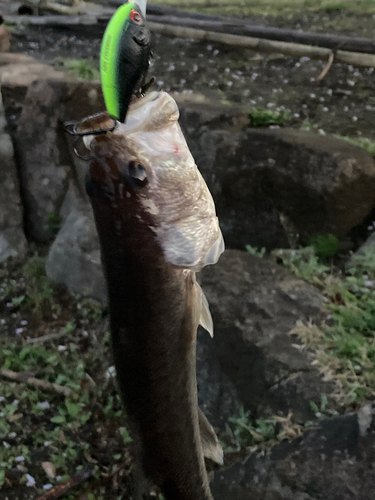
154, 340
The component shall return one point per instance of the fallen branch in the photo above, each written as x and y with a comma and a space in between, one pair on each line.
44, 385
238, 27
257, 44
48, 337
63, 488
54, 20
269, 46
159, 10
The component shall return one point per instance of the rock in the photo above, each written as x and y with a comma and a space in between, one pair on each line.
334, 461
17, 72
44, 160
74, 257
22, 75
217, 395
213, 134
267, 184
12, 239
252, 360
254, 304
320, 184
11, 58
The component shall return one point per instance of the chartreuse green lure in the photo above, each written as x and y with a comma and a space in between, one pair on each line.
124, 58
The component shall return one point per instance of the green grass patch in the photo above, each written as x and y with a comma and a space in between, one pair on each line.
325, 245
39, 293
84, 430
363, 142
86, 69
267, 117
346, 340
243, 431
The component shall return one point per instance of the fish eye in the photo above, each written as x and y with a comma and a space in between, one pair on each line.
138, 173
135, 17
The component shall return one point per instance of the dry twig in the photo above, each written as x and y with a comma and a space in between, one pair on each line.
48, 337
327, 67
63, 488
44, 385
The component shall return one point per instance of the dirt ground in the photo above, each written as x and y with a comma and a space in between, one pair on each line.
343, 103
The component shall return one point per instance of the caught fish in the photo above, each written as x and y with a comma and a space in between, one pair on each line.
157, 227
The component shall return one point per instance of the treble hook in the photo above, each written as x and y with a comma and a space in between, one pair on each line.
81, 129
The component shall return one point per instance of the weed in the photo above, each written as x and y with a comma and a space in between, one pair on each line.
346, 341
39, 426
266, 117
53, 222
319, 412
244, 431
39, 292
363, 142
325, 245
362, 264
258, 252
90, 309
304, 263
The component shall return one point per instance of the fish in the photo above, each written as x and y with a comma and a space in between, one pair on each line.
157, 227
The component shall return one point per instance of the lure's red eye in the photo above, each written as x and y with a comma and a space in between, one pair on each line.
135, 17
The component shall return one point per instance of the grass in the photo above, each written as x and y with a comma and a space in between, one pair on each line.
83, 431
266, 117
346, 340
363, 142
243, 431
40, 430
86, 69
269, 7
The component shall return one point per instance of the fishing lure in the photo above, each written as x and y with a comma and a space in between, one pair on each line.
124, 61
124, 58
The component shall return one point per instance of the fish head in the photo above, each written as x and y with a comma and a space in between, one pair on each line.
124, 58
145, 170
117, 173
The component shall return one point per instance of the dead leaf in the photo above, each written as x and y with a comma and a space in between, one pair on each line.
49, 469
62, 437
14, 417
89, 458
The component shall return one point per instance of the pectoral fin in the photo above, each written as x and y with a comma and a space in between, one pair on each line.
211, 447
